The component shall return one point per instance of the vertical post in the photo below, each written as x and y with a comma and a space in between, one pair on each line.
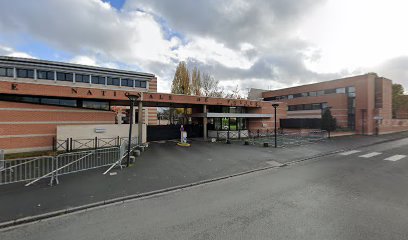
276, 141
96, 142
205, 121
130, 132
275, 105
140, 123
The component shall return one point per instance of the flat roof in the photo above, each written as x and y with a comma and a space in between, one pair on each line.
71, 66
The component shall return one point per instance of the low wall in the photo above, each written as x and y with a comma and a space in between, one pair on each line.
99, 131
393, 125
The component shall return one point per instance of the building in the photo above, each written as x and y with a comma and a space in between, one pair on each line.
42, 102
360, 103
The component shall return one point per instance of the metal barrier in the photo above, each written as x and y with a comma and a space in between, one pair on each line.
26, 169
35, 169
71, 144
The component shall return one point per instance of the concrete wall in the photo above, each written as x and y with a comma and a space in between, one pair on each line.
90, 131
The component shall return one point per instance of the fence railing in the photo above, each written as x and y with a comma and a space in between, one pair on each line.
72, 144
25, 169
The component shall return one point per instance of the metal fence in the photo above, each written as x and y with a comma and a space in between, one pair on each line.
25, 169
50, 167
72, 144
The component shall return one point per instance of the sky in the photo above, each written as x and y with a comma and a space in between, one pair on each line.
267, 44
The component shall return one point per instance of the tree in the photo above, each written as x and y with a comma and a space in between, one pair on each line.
397, 98
181, 80
235, 93
328, 121
209, 86
196, 82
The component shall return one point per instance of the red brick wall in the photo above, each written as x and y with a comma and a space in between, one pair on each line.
31, 127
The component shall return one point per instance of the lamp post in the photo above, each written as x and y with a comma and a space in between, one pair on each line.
132, 99
275, 105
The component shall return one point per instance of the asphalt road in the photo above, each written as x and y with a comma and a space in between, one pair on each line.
353, 195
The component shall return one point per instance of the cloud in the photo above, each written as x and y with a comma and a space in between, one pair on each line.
250, 43
10, 52
395, 69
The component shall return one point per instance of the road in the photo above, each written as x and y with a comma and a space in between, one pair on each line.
353, 195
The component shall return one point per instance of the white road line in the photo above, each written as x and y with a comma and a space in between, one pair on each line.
349, 152
368, 155
395, 158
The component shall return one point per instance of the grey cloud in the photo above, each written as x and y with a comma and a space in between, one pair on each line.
395, 69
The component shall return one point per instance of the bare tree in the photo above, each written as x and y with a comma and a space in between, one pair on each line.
209, 86
235, 93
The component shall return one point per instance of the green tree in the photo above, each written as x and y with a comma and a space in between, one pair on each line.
397, 98
196, 82
181, 80
328, 121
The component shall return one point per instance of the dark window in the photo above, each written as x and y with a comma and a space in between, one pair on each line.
307, 107
25, 73
49, 75
313, 94
320, 93
98, 80
291, 108
82, 78
137, 83
95, 105
330, 91
6, 72
61, 76
297, 95
127, 82
113, 81
316, 106
305, 94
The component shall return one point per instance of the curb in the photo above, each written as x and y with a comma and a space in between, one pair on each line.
38, 218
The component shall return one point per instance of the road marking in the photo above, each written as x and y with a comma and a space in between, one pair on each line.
395, 158
368, 155
349, 152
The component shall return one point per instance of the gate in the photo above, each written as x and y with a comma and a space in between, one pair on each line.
169, 132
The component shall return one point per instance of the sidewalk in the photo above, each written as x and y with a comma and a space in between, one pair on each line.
163, 165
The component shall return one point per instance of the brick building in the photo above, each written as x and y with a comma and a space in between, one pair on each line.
43, 101
360, 103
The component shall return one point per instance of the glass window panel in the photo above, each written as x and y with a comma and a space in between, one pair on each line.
50, 75
233, 124
21, 73
320, 93
3, 72
69, 77
10, 72
340, 90
143, 84
313, 94
305, 94
137, 83
225, 123
60, 76
290, 96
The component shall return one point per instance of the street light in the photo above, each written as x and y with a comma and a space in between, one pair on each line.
132, 99
275, 105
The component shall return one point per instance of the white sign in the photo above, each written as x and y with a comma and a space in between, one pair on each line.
100, 130
378, 118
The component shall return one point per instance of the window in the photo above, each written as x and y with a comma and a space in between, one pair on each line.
297, 95
313, 94
325, 105
25, 73
61, 76
351, 91
98, 80
290, 96
329, 91
82, 78
48, 75
340, 90
305, 94
95, 105
307, 107
113, 81
127, 82
316, 106
320, 93
6, 72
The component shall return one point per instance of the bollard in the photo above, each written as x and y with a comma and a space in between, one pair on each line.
136, 153
246, 143
265, 144
228, 141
